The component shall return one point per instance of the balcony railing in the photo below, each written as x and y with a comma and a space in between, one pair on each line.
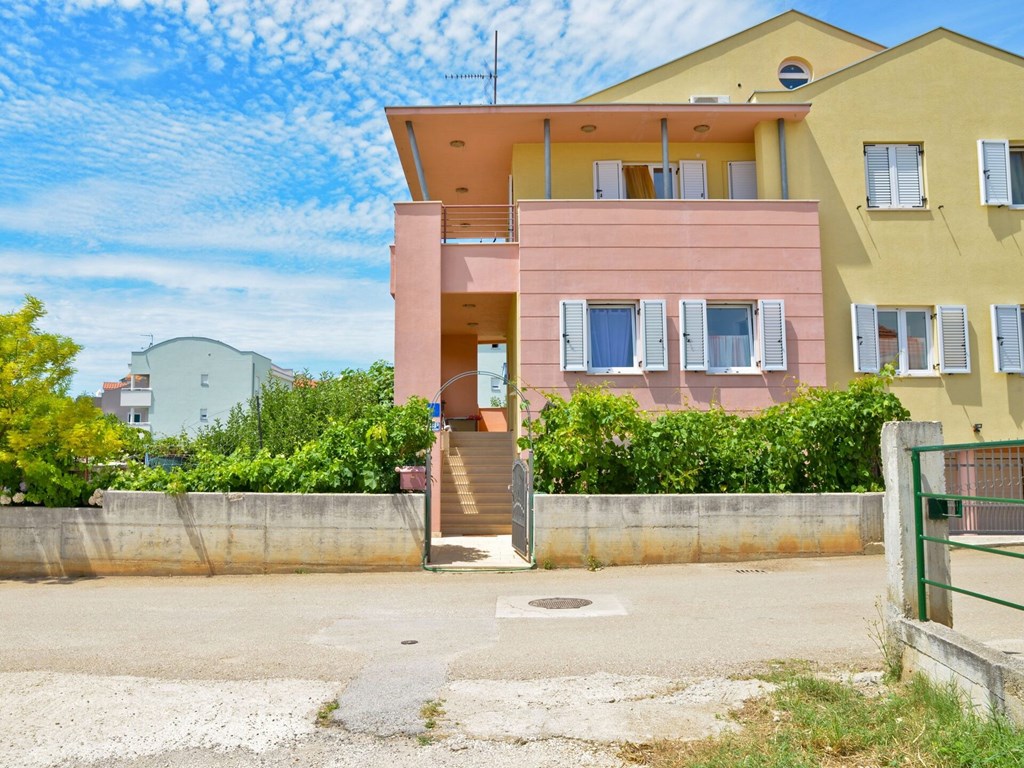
478, 224
136, 398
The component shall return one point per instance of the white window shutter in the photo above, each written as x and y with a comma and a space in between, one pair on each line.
608, 180
954, 347
909, 187
573, 320
865, 338
1007, 342
772, 318
693, 336
878, 176
743, 180
994, 167
693, 180
654, 341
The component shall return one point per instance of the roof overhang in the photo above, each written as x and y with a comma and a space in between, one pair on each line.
482, 163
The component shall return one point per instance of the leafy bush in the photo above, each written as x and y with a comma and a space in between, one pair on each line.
349, 456
822, 440
583, 445
282, 419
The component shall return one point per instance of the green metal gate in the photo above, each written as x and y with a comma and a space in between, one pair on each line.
972, 487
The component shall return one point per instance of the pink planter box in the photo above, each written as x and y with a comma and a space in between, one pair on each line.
412, 478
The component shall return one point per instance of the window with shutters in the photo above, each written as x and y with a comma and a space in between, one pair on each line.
905, 338
613, 337
1001, 167
1008, 337
736, 337
614, 179
893, 175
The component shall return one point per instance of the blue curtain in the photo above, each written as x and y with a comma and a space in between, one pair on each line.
611, 337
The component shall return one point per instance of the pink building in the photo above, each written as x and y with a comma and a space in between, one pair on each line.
554, 229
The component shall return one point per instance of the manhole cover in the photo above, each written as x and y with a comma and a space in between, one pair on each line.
560, 602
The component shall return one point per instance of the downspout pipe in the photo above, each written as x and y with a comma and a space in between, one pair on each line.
783, 172
547, 158
416, 159
666, 177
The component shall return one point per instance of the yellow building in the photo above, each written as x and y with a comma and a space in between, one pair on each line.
916, 156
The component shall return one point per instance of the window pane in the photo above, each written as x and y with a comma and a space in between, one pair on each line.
659, 183
888, 337
611, 337
730, 340
1017, 177
917, 340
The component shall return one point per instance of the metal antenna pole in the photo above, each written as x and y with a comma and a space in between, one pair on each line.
495, 67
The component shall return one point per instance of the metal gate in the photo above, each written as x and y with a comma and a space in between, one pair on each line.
522, 508
986, 474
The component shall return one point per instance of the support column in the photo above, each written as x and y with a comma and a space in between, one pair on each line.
417, 281
547, 158
665, 175
899, 520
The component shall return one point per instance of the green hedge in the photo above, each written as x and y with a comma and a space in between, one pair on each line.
356, 455
822, 440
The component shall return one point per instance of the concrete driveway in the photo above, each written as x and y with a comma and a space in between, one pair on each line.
231, 671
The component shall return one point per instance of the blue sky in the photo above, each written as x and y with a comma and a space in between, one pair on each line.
223, 168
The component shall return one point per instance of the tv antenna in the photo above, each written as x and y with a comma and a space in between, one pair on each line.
492, 76
147, 336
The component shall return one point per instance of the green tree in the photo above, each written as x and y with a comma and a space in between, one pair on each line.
47, 438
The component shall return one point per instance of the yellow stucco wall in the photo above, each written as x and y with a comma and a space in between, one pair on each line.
743, 63
945, 92
572, 165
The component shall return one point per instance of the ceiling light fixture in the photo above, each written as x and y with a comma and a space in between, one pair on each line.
702, 128
472, 325
457, 143
588, 128
461, 190
469, 306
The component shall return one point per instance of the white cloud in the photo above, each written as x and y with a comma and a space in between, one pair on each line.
186, 167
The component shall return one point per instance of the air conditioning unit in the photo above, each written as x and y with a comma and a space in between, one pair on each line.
709, 99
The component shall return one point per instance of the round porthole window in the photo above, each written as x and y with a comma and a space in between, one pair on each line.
793, 74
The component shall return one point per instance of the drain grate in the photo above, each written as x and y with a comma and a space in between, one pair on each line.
750, 570
560, 603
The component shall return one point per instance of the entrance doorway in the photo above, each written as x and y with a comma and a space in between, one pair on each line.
486, 492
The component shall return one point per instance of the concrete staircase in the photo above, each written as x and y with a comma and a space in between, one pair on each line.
475, 475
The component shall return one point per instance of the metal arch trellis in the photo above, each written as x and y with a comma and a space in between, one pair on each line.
524, 407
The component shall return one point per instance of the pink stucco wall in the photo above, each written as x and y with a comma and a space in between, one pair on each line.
416, 283
717, 250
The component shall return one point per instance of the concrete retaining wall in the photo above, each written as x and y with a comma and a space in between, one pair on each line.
991, 680
634, 530
137, 533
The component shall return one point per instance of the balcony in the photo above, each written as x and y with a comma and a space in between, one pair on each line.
136, 398
478, 224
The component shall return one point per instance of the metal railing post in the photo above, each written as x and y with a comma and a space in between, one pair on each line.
922, 596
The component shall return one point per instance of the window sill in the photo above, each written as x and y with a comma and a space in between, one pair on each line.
922, 209
615, 372
735, 372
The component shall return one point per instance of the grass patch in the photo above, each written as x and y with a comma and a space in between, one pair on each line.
809, 723
430, 711
323, 715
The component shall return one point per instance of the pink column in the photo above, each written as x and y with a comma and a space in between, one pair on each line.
416, 276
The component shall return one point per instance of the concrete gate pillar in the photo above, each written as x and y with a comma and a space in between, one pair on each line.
898, 511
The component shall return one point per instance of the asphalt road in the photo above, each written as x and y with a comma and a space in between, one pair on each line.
230, 670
